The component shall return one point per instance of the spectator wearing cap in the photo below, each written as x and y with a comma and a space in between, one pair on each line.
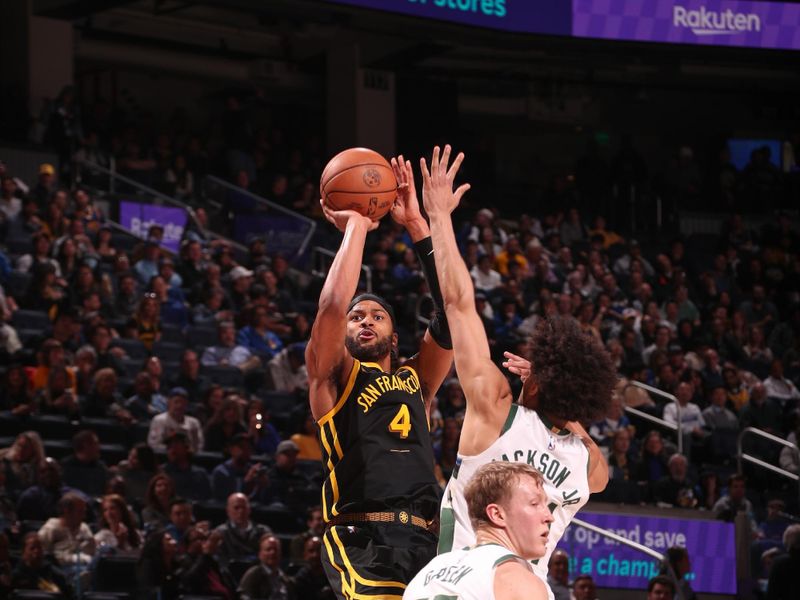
241, 280
45, 185
84, 469
175, 420
285, 481
239, 534
622, 266
258, 338
190, 480
10, 204
228, 353
238, 474
147, 267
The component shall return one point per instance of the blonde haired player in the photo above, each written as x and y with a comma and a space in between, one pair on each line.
571, 381
508, 510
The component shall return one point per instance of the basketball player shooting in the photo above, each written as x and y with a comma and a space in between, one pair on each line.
572, 380
380, 499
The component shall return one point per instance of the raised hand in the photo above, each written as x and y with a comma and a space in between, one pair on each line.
437, 184
340, 218
517, 365
406, 207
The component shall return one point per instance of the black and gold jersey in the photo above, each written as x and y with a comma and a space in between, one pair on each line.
376, 446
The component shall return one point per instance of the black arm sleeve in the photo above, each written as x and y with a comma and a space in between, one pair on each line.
440, 331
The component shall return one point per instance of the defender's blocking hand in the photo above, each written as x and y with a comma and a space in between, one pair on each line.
437, 184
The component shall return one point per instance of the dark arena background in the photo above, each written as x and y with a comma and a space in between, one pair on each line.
634, 165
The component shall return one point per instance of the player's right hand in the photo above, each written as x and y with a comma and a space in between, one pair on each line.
341, 218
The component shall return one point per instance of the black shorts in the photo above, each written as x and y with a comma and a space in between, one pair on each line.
374, 560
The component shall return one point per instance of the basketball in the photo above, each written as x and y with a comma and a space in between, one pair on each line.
359, 179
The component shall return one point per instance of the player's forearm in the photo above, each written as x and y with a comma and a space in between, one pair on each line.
342, 280
418, 229
454, 279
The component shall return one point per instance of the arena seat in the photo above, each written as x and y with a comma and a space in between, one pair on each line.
208, 460
109, 430
31, 319
228, 377
133, 348
172, 334
34, 595
168, 351
19, 282
239, 567
279, 518
198, 338
115, 574
17, 246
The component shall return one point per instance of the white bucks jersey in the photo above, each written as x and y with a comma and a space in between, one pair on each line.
466, 574
560, 456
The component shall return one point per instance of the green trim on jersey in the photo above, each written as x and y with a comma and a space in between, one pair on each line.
505, 558
551, 427
447, 530
512, 412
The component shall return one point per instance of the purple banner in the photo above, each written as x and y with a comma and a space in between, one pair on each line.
283, 234
528, 16
137, 217
710, 544
709, 22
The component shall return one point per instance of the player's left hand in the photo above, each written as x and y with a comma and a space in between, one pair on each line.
517, 365
406, 206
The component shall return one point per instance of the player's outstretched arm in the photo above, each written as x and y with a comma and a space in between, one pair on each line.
598, 466
513, 580
327, 361
486, 389
435, 356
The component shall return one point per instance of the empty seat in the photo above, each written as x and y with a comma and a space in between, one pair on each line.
31, 319
208, 460
116, 574
17, 246
172, 334
17, 284
168, 351
133, 348
281, 405
225, 376
107, 429
198, 338
34, 595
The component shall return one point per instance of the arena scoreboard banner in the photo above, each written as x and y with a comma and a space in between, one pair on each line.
711, 546
745, 24
773, 25
137, 217
520, 16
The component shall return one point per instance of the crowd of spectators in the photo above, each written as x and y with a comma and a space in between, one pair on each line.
172, 396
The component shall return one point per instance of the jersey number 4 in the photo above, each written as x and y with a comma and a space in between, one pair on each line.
401, 423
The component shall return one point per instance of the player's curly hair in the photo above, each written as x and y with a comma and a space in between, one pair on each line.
572, 370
